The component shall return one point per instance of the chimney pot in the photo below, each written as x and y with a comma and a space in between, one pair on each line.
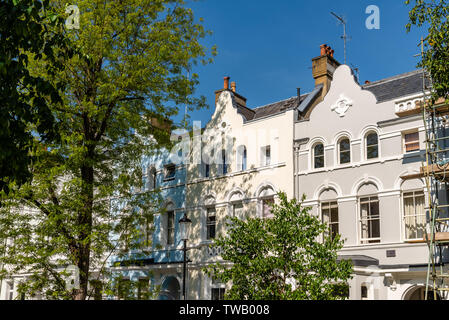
323, 48
233, 86
226, 83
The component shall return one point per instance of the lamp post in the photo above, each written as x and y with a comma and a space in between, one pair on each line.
184, 229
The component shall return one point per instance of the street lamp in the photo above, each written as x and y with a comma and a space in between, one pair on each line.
184, 230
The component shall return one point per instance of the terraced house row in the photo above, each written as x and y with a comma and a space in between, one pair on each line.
353, 149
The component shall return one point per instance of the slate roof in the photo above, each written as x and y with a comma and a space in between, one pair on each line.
386, 89
395, 87
270, 109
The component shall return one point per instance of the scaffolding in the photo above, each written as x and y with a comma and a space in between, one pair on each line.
435, 170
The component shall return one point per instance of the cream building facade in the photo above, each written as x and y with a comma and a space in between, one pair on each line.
246, 160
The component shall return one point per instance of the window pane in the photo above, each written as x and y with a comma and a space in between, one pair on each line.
170, 227
411, 137
267, 206
371, 139
369, 220
237, 209
170, 171
268, 155
372, 152
329, 211
217, 293
410, 147
319, 150
372, 147
414, 215
345, 151
211, 223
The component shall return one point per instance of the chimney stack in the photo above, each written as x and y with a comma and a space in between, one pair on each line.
226, 83
233, 86
323, 68
238, 98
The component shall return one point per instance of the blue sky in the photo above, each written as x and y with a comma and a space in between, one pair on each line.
267, 46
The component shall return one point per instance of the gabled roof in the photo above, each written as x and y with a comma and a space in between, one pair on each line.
386, 89
270, 109
398, 86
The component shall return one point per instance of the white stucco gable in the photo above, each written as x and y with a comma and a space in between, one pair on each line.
345, 98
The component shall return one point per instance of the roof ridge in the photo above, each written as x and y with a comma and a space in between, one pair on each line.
396, 77
272, 103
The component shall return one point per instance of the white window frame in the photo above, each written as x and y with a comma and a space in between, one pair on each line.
339, 151
270, 199
368, 241
166, 171
170, 231
414, 191
265, 160
365, 143
404, 144
313, 156
242, 158
329, 205
209, 209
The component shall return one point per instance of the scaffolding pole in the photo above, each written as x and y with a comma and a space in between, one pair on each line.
436, 173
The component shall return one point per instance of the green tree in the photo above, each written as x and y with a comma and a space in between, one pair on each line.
281, 258
25, 28
86, 199
434, 15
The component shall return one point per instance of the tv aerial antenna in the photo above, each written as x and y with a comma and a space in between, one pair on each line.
345, 36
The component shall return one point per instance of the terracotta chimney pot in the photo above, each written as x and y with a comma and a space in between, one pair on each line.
233, 86
226, 83
323, 48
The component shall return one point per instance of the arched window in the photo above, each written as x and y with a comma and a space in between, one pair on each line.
372, 146
211, 223
414, 212
168, 225
224, 163
344, 151
318, 156
369, 218
266, 202
329, 212
241, 158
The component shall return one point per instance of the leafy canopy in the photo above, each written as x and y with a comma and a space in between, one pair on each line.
86, 200
281, 258
434, 15
27, 26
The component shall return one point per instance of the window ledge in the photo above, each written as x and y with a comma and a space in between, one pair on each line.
413, 154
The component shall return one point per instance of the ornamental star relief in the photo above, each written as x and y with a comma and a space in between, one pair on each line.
342, 105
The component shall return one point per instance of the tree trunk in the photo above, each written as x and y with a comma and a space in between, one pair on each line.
85, 222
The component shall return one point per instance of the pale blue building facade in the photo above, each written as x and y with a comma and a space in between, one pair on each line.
159, 267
